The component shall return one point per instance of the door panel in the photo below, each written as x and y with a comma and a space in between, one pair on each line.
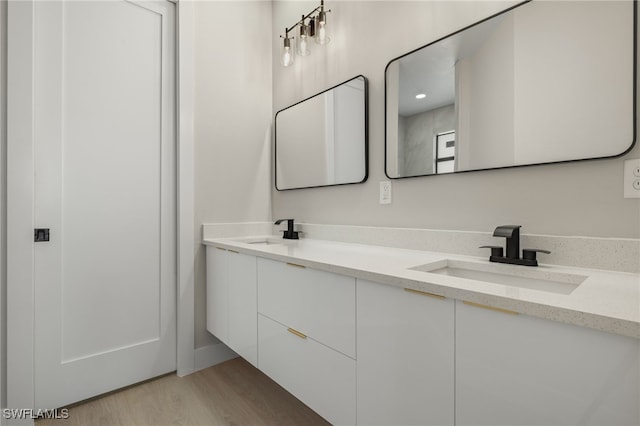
105, 185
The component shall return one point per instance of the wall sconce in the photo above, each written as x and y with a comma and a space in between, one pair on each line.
310, 26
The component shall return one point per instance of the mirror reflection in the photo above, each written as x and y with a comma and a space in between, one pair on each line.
322, 140
539, 83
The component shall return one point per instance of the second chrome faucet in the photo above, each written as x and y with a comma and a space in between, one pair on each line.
512, 235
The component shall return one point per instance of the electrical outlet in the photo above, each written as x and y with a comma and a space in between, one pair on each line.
385, 192
632, 178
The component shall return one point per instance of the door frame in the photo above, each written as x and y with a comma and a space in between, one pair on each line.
20, 202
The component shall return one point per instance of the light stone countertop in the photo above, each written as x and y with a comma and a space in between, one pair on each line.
605, 300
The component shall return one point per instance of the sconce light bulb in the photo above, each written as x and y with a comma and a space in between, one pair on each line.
287, 57
303, 46
287, 54
321, 29
303, 39
321, 35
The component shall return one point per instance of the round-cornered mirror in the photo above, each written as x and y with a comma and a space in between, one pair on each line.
322, 140
541, 82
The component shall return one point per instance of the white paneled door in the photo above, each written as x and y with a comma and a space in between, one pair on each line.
105, 282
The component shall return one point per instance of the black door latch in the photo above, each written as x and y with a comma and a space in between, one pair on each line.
41, 234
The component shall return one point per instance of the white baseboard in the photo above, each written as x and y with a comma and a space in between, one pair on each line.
210, 355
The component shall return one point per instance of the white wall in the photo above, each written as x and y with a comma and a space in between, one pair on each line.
3, 203
232, 124
487, 137
302, 132
349, 132
581, 198
559, 88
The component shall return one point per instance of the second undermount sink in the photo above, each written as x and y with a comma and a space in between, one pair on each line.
261, 241
515, 276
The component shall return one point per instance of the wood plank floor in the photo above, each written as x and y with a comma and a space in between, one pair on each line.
233, 393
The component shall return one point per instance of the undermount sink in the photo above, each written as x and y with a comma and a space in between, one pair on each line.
514, 276
263, 241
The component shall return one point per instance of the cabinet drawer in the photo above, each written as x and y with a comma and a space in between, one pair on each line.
320, 377
317, 303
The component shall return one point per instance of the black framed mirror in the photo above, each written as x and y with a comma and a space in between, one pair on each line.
323, 140
541, 82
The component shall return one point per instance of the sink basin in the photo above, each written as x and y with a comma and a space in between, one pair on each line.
264, 242
514, 276
261, 241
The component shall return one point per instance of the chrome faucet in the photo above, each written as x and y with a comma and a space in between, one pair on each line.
512, 234
289, 233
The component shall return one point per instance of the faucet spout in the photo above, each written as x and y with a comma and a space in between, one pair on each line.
512, 234
289, 233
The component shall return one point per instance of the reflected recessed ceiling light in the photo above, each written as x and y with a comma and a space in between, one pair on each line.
421, 96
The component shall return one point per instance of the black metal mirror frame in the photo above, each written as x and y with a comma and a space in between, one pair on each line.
366, 136
634, 112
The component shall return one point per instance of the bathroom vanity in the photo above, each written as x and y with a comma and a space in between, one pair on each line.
376, 335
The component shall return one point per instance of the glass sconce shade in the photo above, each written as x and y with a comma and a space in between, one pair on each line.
287, 53
321, 30
303, 40
303, 46
310, 27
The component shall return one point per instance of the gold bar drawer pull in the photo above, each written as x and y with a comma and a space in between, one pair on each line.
233, 251
220, 248
296, 265
491, 308
424, 293
297, 333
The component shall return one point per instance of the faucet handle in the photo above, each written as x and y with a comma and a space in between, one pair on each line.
529, 255
496, 251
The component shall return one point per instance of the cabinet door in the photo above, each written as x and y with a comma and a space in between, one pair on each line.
519, 370
217, 293
242, 308
232, 301
405, 357
319, 376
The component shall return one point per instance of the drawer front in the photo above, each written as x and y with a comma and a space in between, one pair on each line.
319, 304
320, 377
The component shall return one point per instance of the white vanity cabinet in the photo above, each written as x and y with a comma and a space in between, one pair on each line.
357, 351
405, 356
232, 301
518, 370
307, 336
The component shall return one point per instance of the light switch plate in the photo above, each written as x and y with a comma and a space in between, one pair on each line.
632, 178
385, 192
